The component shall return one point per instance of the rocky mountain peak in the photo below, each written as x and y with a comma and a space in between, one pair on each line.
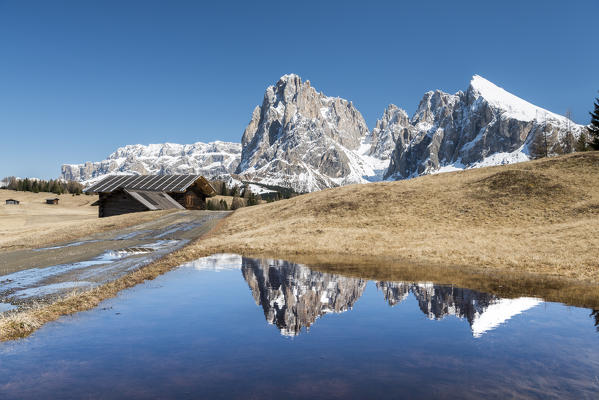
303, 139
393, 126
486, 125
212, 159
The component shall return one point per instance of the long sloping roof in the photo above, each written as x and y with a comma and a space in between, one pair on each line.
152, 183
155, 200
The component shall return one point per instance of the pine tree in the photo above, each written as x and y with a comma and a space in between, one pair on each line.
569, 141
594, 126
538, 146
236, 203
224, 190
223, 205
581, 143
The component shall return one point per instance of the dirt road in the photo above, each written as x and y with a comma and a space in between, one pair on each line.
44, 273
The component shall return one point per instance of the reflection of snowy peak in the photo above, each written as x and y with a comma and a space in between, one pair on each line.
293, 296
499, 312
483, 311
302, 139
208, 159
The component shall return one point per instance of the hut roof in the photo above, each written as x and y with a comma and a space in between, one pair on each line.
154, 200
151, 183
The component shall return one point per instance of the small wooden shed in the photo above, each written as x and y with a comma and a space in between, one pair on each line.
12, 201
122, 194
52, 201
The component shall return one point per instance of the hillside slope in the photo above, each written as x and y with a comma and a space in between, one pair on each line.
540, 216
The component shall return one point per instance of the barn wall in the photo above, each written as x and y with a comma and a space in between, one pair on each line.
191, 200
117, 203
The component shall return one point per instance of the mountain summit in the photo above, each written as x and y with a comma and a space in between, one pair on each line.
302, 139
483, 126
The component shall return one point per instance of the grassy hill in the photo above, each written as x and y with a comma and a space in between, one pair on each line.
540, 216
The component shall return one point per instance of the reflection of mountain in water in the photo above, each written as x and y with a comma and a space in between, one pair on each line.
293, 296
483, 311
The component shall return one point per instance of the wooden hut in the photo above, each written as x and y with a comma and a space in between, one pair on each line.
12, 201
52, 201
122, 194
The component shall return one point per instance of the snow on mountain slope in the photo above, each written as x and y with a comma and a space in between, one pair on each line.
512, 106
483, 126
209, 159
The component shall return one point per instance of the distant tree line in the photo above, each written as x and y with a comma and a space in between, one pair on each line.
244, 197
55, 186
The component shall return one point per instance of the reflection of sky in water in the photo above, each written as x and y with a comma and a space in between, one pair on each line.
6, 307
198, 333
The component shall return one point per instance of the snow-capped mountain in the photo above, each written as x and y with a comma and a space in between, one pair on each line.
302, 139
483, 126
209, 159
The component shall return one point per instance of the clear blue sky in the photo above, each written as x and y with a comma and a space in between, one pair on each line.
80, 78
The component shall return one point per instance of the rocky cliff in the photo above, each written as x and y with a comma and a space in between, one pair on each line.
208, 159
483, 126
302, 139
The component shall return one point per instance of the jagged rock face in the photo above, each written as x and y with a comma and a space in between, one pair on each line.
439, 301
394, 292
393, 129
209, 159
302, 139
293, 296
483, 126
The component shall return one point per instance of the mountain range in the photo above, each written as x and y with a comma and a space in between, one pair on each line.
302, 139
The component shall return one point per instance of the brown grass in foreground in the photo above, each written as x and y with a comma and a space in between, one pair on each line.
534, 217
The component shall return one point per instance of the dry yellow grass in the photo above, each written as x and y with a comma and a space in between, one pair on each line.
540, 216
33, 223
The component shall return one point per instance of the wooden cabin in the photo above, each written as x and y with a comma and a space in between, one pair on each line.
122, 194
52, 201
12, 201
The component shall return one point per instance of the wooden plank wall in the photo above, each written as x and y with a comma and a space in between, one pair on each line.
117, 203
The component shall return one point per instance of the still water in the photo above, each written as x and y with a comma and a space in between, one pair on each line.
232, 327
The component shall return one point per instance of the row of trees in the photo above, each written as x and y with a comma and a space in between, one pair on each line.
543, 146
55, 186
594, 126
247, 198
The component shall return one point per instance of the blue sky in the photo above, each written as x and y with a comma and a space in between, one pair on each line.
80, 78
